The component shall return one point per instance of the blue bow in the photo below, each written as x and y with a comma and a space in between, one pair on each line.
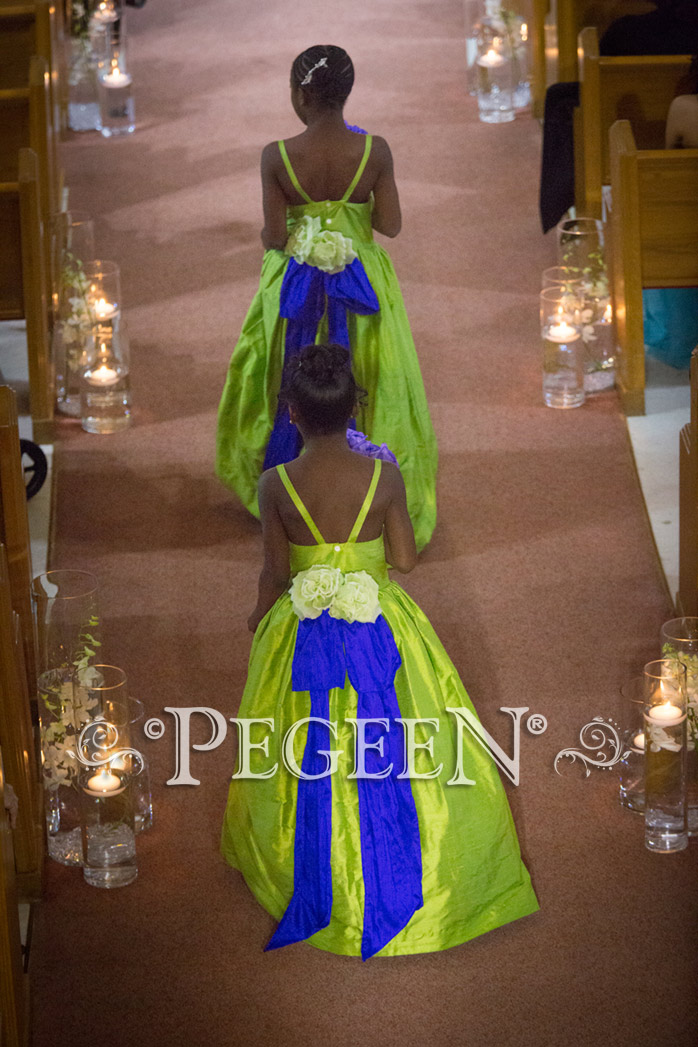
327, 650
306, 292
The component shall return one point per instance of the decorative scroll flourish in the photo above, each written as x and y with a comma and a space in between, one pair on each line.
97, 746
599, 737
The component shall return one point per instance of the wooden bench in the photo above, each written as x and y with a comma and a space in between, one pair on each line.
572, 17
653, 243
23, 283
14, 983
636, 89
687, 596
37, 28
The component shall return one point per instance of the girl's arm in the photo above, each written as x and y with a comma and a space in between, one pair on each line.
398, 534
274, 234
386, 217
274, 576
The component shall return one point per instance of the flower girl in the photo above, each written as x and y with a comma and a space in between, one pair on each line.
368, 846
324, 277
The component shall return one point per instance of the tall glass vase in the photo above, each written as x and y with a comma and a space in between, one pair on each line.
66, 619
679, 639
665, 756
74, 330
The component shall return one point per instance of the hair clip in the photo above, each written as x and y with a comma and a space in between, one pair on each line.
309, 76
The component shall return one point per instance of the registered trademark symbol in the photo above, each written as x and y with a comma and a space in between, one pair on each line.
536, 724
153, 728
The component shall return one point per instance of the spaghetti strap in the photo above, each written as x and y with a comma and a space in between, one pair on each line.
363, 511
292, 174
295, 498
359, 172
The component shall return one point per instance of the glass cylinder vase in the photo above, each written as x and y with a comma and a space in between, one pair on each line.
495, 74
66, 619
107, 823
117, 114
665, 756
563, 349
83, 104
101, 692
103, 290
75, 236
631, 766
473, 12
106, 381
679, 639
58, 767
580, 248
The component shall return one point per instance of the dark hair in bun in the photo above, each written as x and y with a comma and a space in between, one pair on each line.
319, 385
329, 84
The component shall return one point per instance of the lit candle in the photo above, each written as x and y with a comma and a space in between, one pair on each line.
105, 13
115, 78
104, 310
667, 714
608, 314
639, 740
103, 783
103, 376
562, 332
492, 59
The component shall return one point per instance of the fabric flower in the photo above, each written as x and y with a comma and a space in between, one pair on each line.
312, 591
310, 244
361, 444
357, 599
300, 241
332, 252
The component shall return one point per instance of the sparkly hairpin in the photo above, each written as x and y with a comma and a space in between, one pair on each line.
309, 76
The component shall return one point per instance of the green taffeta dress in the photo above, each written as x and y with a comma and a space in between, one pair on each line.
473, 877
384, 361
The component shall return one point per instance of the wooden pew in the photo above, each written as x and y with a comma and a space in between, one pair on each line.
25, 121
636, 89
687, 596
23, 283
654, 242
572, 17
14, 988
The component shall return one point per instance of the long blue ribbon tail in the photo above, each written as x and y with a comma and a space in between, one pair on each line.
391, 855
326, 650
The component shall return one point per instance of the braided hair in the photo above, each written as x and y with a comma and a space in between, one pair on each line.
318, 383
326, 72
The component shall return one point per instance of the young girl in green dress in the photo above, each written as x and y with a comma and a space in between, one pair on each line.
351, 842
325, 278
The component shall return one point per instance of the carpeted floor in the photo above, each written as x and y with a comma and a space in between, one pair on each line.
541, 580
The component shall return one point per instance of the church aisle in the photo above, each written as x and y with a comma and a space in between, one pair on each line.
541, 580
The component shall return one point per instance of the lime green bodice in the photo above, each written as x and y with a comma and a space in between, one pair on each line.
341, 216
347, 556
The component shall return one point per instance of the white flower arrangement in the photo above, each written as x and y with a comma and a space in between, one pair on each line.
329, 251
352, 596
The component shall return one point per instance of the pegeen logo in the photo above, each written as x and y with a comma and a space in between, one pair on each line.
463, 720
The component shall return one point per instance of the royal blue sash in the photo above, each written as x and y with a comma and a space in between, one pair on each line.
327, 651
306, 292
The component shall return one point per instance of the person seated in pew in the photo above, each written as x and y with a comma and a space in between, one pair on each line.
670, 315
671, 29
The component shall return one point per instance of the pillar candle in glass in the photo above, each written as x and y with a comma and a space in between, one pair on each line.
116, 105
106, 381
631, 766
563, 349
665, 755
495, 75
679, 638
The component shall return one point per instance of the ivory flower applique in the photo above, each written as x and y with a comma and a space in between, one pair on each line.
310, 244
352, 596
